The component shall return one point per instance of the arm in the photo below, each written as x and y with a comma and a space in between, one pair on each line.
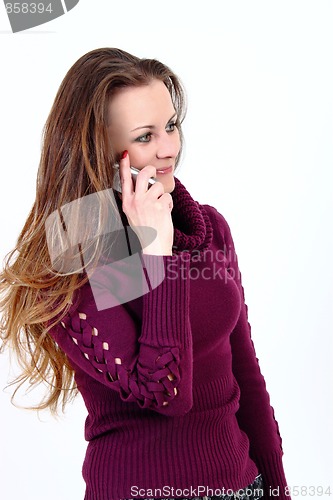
147, 360
255, 415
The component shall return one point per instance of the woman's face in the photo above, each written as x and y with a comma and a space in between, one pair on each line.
142, 120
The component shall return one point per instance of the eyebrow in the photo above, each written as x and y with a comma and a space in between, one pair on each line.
153, 126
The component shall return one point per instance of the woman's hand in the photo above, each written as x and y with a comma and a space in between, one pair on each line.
148, 208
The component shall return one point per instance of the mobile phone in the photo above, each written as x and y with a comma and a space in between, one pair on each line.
134, 173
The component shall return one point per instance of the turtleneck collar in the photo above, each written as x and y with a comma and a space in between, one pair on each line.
192, 227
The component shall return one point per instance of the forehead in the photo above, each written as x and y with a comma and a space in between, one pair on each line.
133, 104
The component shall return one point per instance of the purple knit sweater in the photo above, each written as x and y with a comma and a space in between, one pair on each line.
171, 382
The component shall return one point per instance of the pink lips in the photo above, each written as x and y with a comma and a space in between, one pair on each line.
163, 171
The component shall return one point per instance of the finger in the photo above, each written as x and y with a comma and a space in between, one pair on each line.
141, 185
125, 175
167, 200
156, 189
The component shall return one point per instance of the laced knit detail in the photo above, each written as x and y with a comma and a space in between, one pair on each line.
149, 386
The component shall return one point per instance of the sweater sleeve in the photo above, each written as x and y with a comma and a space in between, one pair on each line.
255, 415
148, 359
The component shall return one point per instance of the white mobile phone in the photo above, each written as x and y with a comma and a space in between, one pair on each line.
134, 173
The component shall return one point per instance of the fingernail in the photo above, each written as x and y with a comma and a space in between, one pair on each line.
125, 153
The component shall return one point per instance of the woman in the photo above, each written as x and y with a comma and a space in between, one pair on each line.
177, 405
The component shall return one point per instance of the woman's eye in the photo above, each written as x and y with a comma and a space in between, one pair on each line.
144, 138
171, 126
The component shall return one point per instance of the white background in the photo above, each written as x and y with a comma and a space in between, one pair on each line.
258, 147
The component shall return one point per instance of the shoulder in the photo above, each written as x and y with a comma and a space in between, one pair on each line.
222, 236
218, 221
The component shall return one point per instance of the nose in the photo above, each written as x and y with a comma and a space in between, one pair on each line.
168, 145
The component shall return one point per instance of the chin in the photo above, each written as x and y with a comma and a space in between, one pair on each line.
168, 184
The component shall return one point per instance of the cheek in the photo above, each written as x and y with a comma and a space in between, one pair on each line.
142, 155
177, 140
139, 157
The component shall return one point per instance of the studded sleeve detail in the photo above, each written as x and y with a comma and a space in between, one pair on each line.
147, 361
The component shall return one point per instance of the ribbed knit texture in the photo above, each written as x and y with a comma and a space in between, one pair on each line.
192, 227
171, 381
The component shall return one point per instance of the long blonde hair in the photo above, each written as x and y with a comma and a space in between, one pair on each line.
76, 160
